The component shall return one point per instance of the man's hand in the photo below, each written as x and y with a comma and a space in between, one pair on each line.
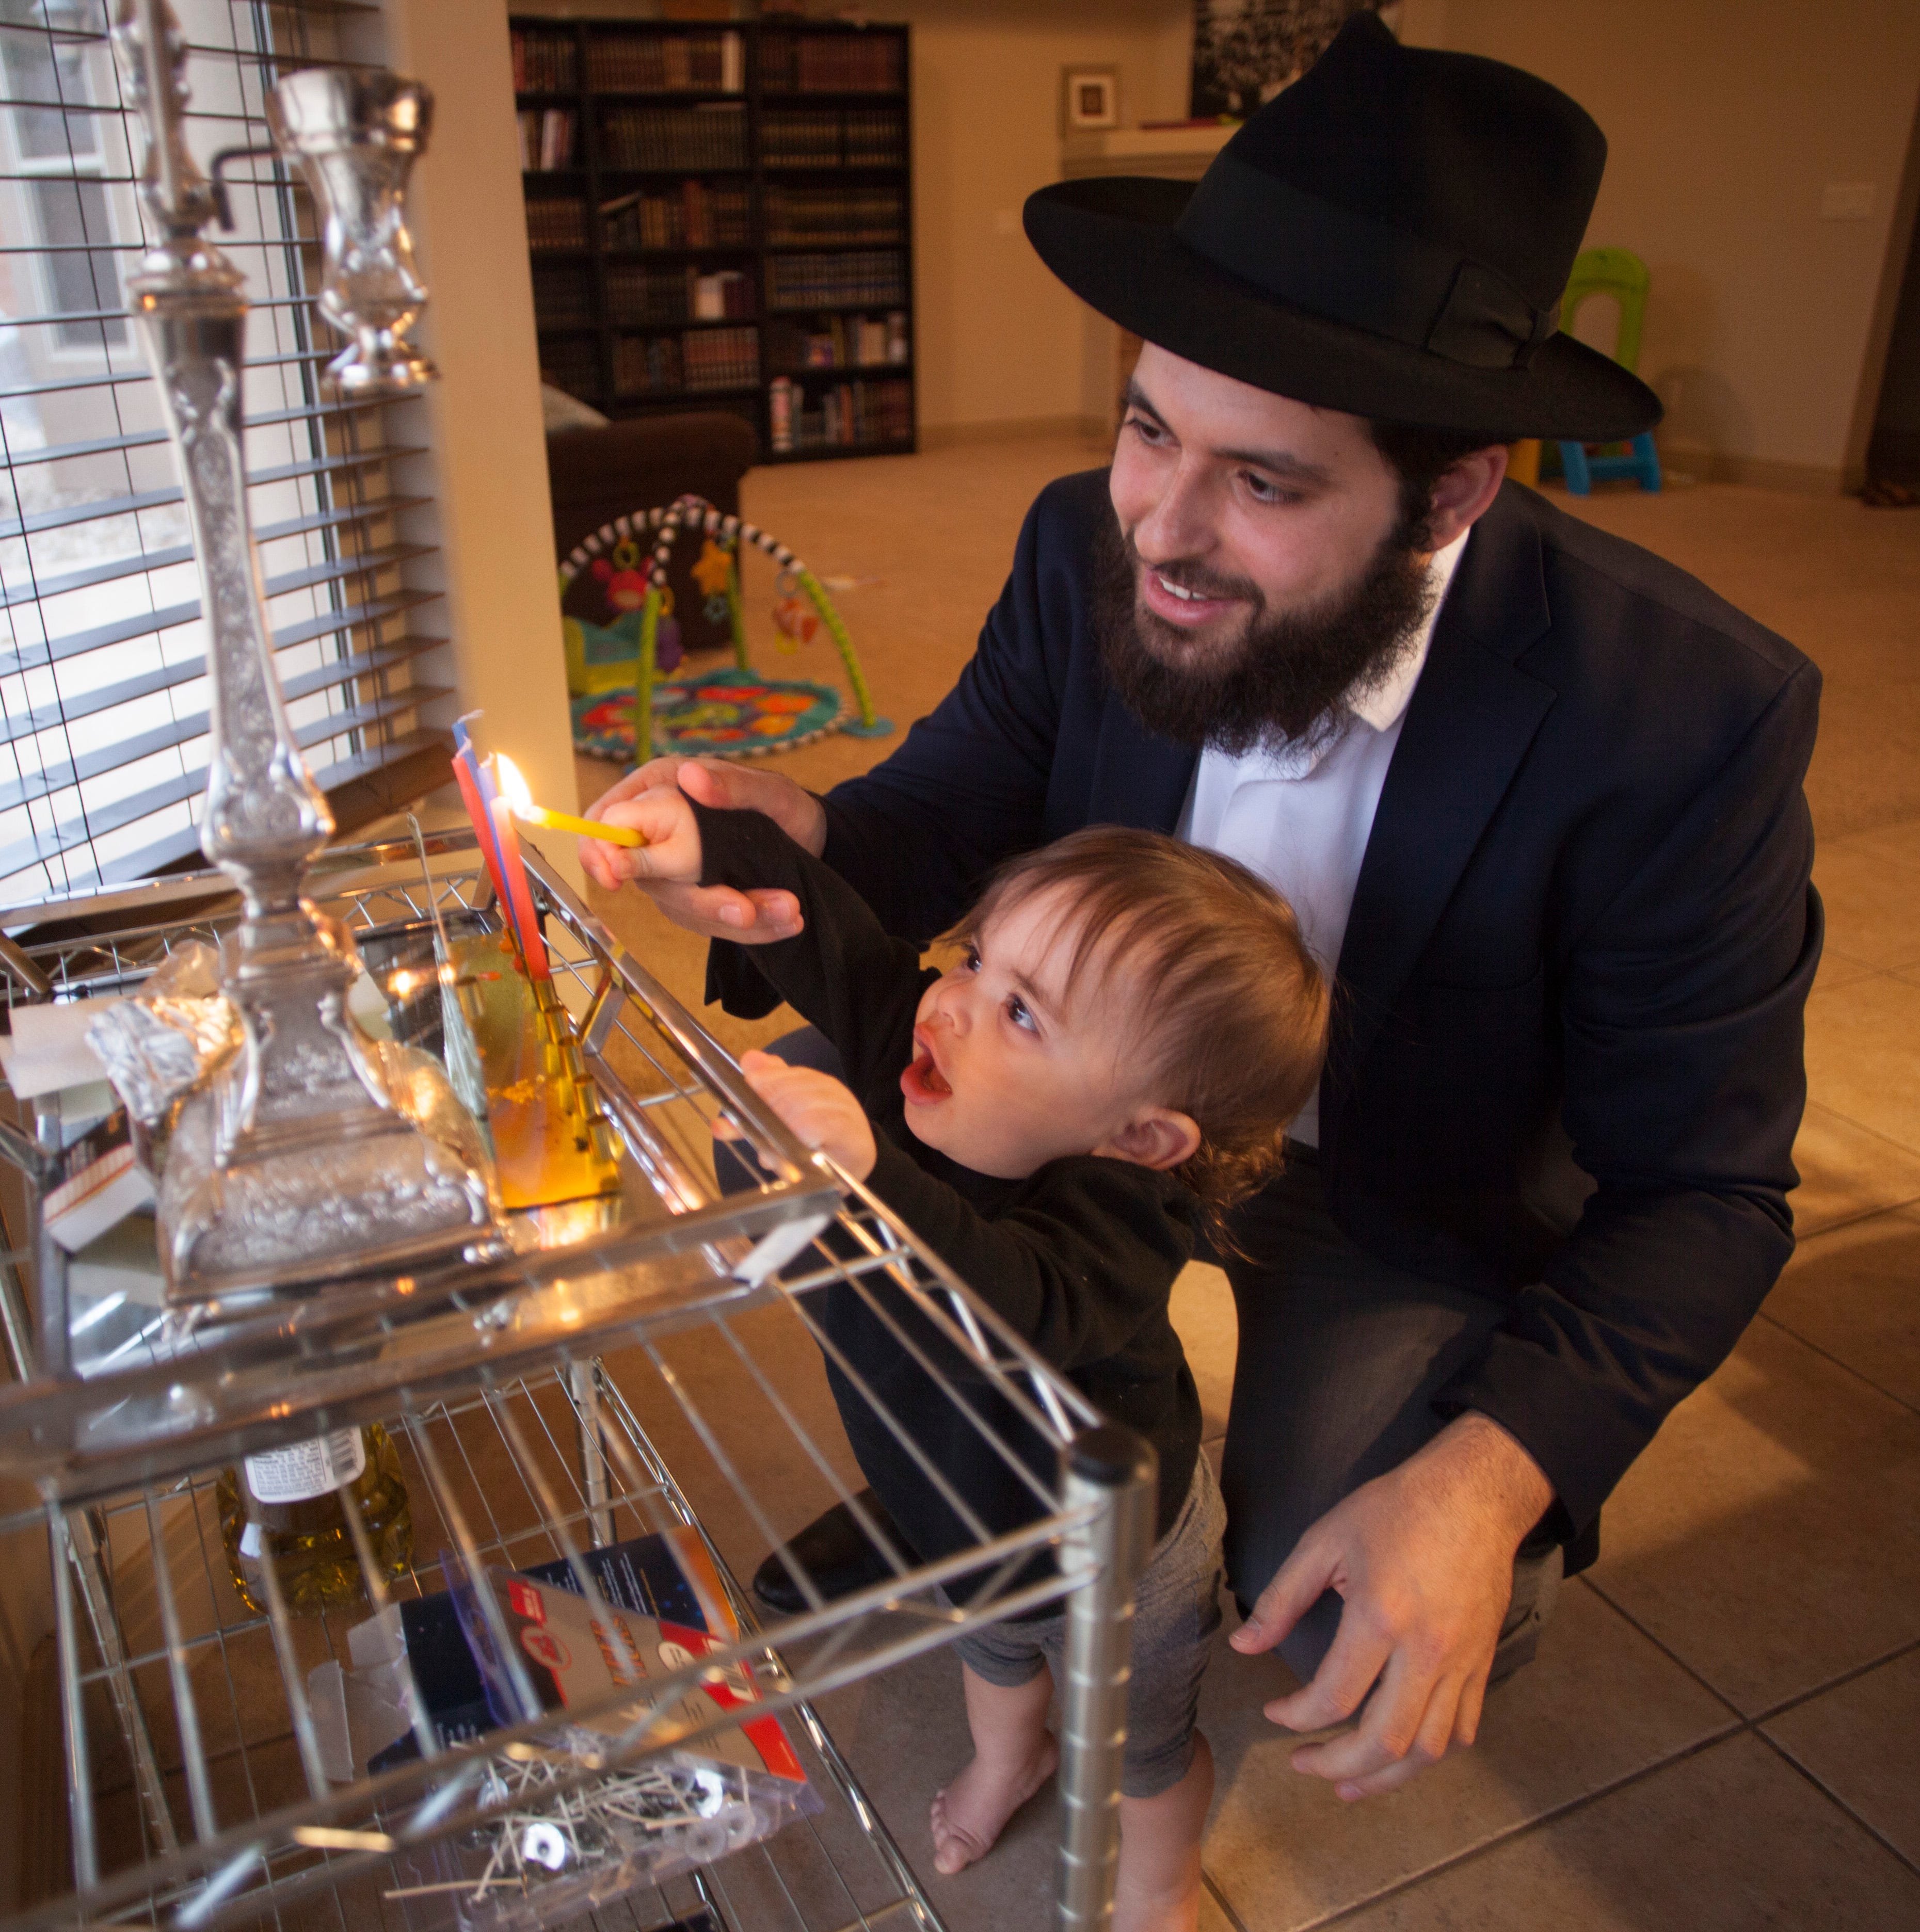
718, 912
1424, 1558
818, 1109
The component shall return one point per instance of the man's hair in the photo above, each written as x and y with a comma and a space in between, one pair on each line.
1226, 1002
1420, 457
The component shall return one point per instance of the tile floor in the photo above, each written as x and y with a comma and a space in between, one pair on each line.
1722, 1729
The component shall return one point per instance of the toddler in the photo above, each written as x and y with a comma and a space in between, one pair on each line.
1108, 1066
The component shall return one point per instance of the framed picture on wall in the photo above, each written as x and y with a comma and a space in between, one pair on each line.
1090, 99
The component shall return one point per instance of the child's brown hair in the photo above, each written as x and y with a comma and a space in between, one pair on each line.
1226, 997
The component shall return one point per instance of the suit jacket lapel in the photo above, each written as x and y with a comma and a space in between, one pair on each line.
1472, 718
1139, 778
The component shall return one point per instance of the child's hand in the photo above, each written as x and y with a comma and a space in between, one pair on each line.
821, 1111
719, 912
663, 817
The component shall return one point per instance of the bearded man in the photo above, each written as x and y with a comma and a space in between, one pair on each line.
1535, 794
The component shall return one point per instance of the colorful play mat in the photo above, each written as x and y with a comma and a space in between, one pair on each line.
613, 667
730, 713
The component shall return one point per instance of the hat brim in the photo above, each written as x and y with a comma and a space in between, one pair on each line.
1111, 239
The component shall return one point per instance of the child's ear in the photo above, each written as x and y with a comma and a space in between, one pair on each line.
1159, 1137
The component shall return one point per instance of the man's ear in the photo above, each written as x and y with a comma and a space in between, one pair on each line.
1464, 493
1157, 1138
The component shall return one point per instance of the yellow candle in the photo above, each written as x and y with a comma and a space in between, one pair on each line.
583, 828
515, 789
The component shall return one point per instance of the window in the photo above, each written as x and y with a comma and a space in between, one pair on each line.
57, 154
103, 690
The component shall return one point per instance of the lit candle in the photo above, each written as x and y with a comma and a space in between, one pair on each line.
517, 792
519, 897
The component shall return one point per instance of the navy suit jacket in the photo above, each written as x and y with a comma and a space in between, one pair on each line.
1566, 1068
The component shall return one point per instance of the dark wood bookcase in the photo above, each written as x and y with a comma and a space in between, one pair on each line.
725, 220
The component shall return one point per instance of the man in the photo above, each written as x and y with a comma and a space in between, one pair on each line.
1538, 793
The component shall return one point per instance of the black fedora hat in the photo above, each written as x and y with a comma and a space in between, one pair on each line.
1388, 236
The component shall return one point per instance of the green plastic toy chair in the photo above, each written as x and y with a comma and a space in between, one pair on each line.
1620, 273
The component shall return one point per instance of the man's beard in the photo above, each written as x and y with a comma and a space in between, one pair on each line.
1283, 676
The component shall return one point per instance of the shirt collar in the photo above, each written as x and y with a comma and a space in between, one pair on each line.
1385, 704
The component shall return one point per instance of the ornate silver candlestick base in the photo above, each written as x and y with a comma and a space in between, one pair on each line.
316, 1150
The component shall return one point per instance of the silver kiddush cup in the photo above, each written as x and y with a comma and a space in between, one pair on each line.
355, 136
315, 1151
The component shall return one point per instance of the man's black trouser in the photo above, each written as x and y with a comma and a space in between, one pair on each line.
1339, 1358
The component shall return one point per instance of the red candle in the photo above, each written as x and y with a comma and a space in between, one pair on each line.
519, 895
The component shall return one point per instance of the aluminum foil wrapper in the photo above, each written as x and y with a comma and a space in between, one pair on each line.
168, 1037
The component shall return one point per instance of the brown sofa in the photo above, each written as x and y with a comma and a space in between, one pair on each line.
614, 469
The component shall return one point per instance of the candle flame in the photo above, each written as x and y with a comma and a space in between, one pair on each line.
513, 787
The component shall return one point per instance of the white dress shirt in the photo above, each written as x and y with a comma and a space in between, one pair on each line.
1299, 813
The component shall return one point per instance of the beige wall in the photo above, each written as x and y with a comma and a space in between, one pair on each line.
1726, 122
1000, 339
487, 472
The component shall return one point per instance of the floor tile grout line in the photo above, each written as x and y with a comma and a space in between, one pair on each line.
1672, 1656
1219, 1898
1845, 1367
1845, 1677
1835, 1798
1522, 1828
1851, 1220
1877, 1133
1827, 1228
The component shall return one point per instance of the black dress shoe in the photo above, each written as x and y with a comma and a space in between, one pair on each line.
836, 1554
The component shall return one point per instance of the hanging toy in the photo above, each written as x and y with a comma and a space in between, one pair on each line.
667, 649
621, 579
794, 617
714, 566
713, 572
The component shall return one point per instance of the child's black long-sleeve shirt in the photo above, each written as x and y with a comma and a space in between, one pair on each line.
1078, 1257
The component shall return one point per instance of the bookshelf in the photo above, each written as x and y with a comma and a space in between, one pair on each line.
721, 216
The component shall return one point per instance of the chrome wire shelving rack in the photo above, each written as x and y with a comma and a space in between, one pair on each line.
597, 1373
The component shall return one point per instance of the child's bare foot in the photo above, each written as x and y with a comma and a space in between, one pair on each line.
971, 1813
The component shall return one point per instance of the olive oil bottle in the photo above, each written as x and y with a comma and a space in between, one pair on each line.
284, 1503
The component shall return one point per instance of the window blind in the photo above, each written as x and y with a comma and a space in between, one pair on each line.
102, 689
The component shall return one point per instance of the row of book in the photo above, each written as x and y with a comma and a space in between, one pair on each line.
813, 137
846, 342
549, 62
721, 358
875, 280
546, 140
696, 214
702, 360
846, 414
802, 215
714, 62
647, 367
545, 62
832, 64
712, 136
652, 295
555, 223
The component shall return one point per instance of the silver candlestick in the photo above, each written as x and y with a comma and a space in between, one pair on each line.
316, 1150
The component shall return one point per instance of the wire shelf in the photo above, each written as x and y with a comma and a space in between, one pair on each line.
597, 1380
